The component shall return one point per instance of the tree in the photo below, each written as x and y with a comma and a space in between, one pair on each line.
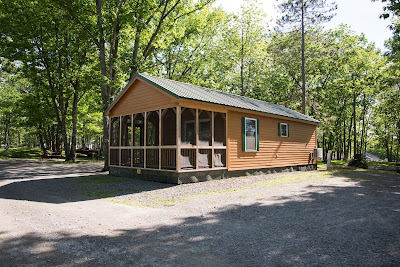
300, 14
125, 34
54, 57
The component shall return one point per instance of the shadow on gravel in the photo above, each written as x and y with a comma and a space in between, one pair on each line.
63, 190
23, 170
336, 226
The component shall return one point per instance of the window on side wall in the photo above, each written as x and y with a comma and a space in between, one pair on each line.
283, 129
250, 134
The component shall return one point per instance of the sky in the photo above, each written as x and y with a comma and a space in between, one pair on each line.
361, 15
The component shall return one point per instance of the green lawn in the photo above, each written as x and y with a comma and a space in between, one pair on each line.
392, 164
21, 153
35, 153
370, 163
333, 163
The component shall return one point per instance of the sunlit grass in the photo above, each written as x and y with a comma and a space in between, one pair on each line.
391, 164
35, 153
370, 163
283, 180
105, 186
21, 153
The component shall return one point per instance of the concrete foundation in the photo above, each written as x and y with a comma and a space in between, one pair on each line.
200, 176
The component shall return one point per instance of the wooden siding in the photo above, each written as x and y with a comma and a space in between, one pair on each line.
141, 96
275, 151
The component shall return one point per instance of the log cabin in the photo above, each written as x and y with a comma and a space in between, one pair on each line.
168, 131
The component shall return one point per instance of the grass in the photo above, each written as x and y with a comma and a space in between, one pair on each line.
105, 186
292, 178
35, 153
370, 163
21, 153
333, 163
109, 187
391, 164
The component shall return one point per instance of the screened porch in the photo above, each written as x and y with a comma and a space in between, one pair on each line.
172, 139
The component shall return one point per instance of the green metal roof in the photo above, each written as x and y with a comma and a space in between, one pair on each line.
203, 94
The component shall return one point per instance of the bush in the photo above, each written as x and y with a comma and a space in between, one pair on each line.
359, 160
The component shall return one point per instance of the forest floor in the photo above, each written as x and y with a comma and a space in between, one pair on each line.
68, 214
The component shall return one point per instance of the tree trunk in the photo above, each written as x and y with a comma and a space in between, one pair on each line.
323, 147
349, 140
354, 125
242, 91
363, 133
41, 140
72, 155
303, 61
104, 89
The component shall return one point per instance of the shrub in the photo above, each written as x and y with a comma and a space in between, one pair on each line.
359, 160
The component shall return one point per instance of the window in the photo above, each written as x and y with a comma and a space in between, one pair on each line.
250, 140
284, 129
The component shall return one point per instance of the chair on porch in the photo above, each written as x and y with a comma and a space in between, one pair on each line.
203, 160
184, 162
218, 160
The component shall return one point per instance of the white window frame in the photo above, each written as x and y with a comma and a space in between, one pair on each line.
245, 137
287, 131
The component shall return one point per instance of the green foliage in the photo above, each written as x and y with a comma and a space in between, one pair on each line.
49, 47
359, 160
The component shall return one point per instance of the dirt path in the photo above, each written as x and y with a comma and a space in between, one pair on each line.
52, 214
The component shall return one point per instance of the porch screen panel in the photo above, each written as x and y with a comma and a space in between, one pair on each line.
152, 158
219, 129
126, 130
126, 157
138, 129
187, 159
114, 135
204, 128
152, 129
168, 158
188, 129
219, 158
114, 157
168, 127
204, 158
138, 158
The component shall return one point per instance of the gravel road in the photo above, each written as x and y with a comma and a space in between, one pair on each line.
74, 215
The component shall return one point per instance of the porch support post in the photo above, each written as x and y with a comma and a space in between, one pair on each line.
159, 139
145, 139
227, 142
197, 138
178, 136
212, 139
132, 133
110, 124
120, 139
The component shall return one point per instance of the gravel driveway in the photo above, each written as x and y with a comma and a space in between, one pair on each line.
74, 215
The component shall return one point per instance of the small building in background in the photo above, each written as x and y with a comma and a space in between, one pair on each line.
168, 131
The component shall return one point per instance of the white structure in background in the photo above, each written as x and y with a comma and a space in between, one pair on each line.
371, 157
